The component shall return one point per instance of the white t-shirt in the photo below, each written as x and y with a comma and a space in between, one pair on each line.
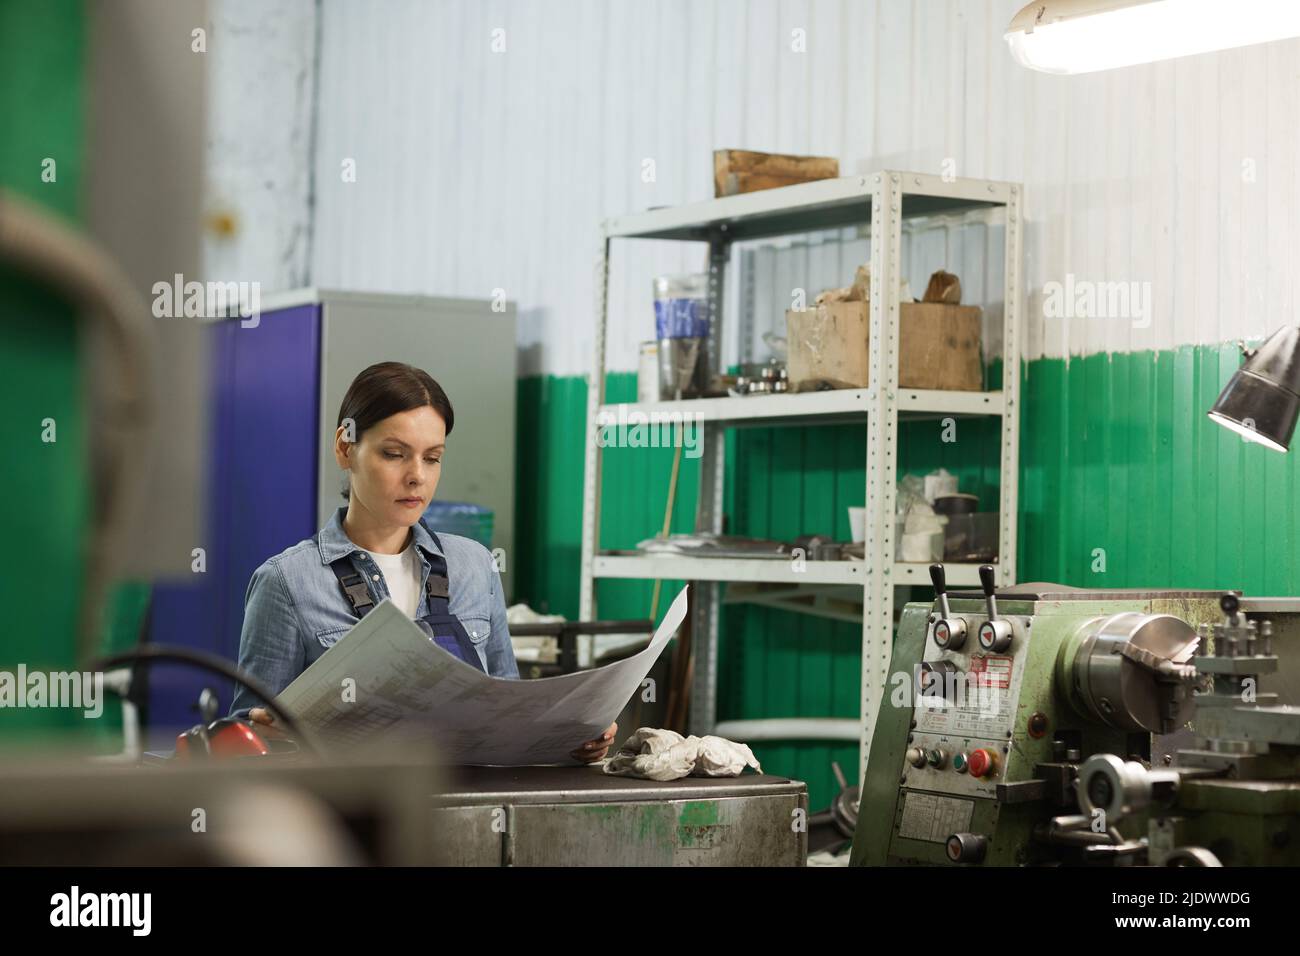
402, 575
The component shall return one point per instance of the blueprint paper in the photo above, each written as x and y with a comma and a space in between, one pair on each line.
406, 683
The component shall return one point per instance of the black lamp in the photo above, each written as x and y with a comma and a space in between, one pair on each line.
1262, 399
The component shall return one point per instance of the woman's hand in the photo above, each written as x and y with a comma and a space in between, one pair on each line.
264, 722
595, 749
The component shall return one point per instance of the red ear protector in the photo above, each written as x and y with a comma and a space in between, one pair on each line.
228, 736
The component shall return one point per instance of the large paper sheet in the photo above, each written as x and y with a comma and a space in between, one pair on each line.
386, 675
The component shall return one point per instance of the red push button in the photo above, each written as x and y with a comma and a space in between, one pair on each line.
981, 762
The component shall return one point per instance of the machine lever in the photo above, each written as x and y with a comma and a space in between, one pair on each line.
949, 632
994, 635
986, 581
940, 589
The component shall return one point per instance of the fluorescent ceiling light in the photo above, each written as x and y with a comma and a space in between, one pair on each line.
1083, 36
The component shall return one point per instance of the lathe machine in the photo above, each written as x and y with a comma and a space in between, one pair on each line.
1050, 725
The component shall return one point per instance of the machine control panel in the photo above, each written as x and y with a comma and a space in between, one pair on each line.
966, 705
968, 685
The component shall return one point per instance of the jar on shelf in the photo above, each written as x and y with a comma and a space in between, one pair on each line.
682, 325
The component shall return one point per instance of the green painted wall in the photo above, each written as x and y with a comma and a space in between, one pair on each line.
1116, 454
551, 414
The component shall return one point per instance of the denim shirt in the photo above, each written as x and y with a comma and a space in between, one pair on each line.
294, 610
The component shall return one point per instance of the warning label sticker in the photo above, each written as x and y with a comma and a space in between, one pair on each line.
974, 703
994, 671
929, 817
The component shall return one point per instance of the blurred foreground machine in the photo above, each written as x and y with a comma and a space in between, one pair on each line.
366, 809
1050, 725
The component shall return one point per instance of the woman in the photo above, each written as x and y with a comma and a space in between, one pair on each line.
391, 436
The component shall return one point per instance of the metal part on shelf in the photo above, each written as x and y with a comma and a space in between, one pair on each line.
817, 547
762, 379
710, 545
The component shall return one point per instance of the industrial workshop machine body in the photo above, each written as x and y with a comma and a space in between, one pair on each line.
991, 709
1237, 796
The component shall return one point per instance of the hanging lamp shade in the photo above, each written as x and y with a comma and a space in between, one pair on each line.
1262, 399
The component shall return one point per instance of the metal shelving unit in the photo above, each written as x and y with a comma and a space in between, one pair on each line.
882, 200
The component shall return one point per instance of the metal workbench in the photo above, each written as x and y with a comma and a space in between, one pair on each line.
579, 816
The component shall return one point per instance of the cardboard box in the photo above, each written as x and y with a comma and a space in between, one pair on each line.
939, 347
827, 346
745, 171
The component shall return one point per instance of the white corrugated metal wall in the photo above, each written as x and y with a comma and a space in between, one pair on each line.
261, 79
490, 138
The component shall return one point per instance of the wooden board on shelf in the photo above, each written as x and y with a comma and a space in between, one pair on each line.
745, 171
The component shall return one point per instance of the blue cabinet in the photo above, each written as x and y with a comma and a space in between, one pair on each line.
262, 491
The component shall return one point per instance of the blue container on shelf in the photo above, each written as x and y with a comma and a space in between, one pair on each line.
682, 326
462, 518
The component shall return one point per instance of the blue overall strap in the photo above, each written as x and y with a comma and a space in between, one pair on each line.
354, 584
449, 633
436, 587
354, 587
446, 629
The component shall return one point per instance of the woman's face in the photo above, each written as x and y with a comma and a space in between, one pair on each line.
396, 464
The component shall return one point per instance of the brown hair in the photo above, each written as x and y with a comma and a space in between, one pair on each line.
389, 388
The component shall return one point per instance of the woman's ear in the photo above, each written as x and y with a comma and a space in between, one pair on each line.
343, 447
